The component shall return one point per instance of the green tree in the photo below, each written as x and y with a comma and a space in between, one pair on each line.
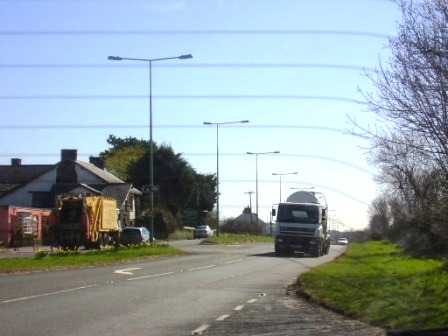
179, 185
123, 156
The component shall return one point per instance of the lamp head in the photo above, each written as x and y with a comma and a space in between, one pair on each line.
185, 56
114, 58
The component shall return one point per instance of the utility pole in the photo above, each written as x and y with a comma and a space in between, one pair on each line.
250, 203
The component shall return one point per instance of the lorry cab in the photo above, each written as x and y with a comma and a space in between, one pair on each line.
301, 225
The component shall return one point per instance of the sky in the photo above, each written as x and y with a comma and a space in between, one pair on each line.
296, 69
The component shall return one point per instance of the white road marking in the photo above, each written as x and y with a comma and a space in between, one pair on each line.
239, 307
150, 276
49, 293
233, 261
127, 271
200, 330
222, 317
201, 268
252, 301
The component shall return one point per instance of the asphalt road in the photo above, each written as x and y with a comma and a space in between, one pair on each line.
214, 290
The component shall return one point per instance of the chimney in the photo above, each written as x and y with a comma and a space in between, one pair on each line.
69, 154
16, 162
97, 161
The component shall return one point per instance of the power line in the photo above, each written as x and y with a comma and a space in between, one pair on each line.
248, 32
180, 97
189, 65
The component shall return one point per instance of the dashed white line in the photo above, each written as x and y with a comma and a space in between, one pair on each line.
237, 308
252, 301
49, 293
232, 261
222, 317
150, 276
201, 268
200, 330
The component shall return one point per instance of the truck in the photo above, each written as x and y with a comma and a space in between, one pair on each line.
301, 224
89, 221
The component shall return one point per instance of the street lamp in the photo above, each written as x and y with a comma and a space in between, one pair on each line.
152, 188
256, 176
217, 161
280, 175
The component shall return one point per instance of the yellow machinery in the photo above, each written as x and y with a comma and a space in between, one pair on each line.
89, 221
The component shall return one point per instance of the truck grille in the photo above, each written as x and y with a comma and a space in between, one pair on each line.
297, 231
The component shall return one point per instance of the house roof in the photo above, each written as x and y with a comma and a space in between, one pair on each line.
101, 173
16, 175
118, 191
12, 176
247, 217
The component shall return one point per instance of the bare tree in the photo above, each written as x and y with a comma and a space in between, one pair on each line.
379, 218
411, 99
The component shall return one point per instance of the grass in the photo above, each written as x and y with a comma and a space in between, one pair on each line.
60, 258
378, 283
229, 239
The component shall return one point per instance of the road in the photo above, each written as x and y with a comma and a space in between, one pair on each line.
203, 292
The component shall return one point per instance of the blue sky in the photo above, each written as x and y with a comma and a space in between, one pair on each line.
293, 68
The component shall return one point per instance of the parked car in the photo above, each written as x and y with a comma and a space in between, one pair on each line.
342, 241
202, 231
134, 235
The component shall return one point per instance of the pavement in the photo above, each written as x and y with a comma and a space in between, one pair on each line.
24, 251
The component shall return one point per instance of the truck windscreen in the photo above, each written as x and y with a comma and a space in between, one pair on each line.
298, 213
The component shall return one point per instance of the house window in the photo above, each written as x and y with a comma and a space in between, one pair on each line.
28, 222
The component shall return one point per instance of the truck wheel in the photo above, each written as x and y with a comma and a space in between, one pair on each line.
327, 248
279, 252
318, 251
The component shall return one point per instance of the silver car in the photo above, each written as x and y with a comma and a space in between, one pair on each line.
134, 235
202, 231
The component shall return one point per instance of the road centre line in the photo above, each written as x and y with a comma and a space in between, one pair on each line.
222, 317
252, 301
233, 261
238, 308
201, 268
200, 330
49, 293
150, 276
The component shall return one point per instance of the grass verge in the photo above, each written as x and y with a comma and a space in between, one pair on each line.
58, 259
229, 239
378, 283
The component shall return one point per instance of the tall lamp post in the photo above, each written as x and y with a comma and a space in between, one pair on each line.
217, 124
256, 176
280, 175
151, 186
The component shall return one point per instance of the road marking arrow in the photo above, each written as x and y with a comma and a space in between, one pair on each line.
127, 271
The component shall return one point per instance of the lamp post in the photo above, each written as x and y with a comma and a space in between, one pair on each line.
217, 124
280, 175
152, 188
256, 176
